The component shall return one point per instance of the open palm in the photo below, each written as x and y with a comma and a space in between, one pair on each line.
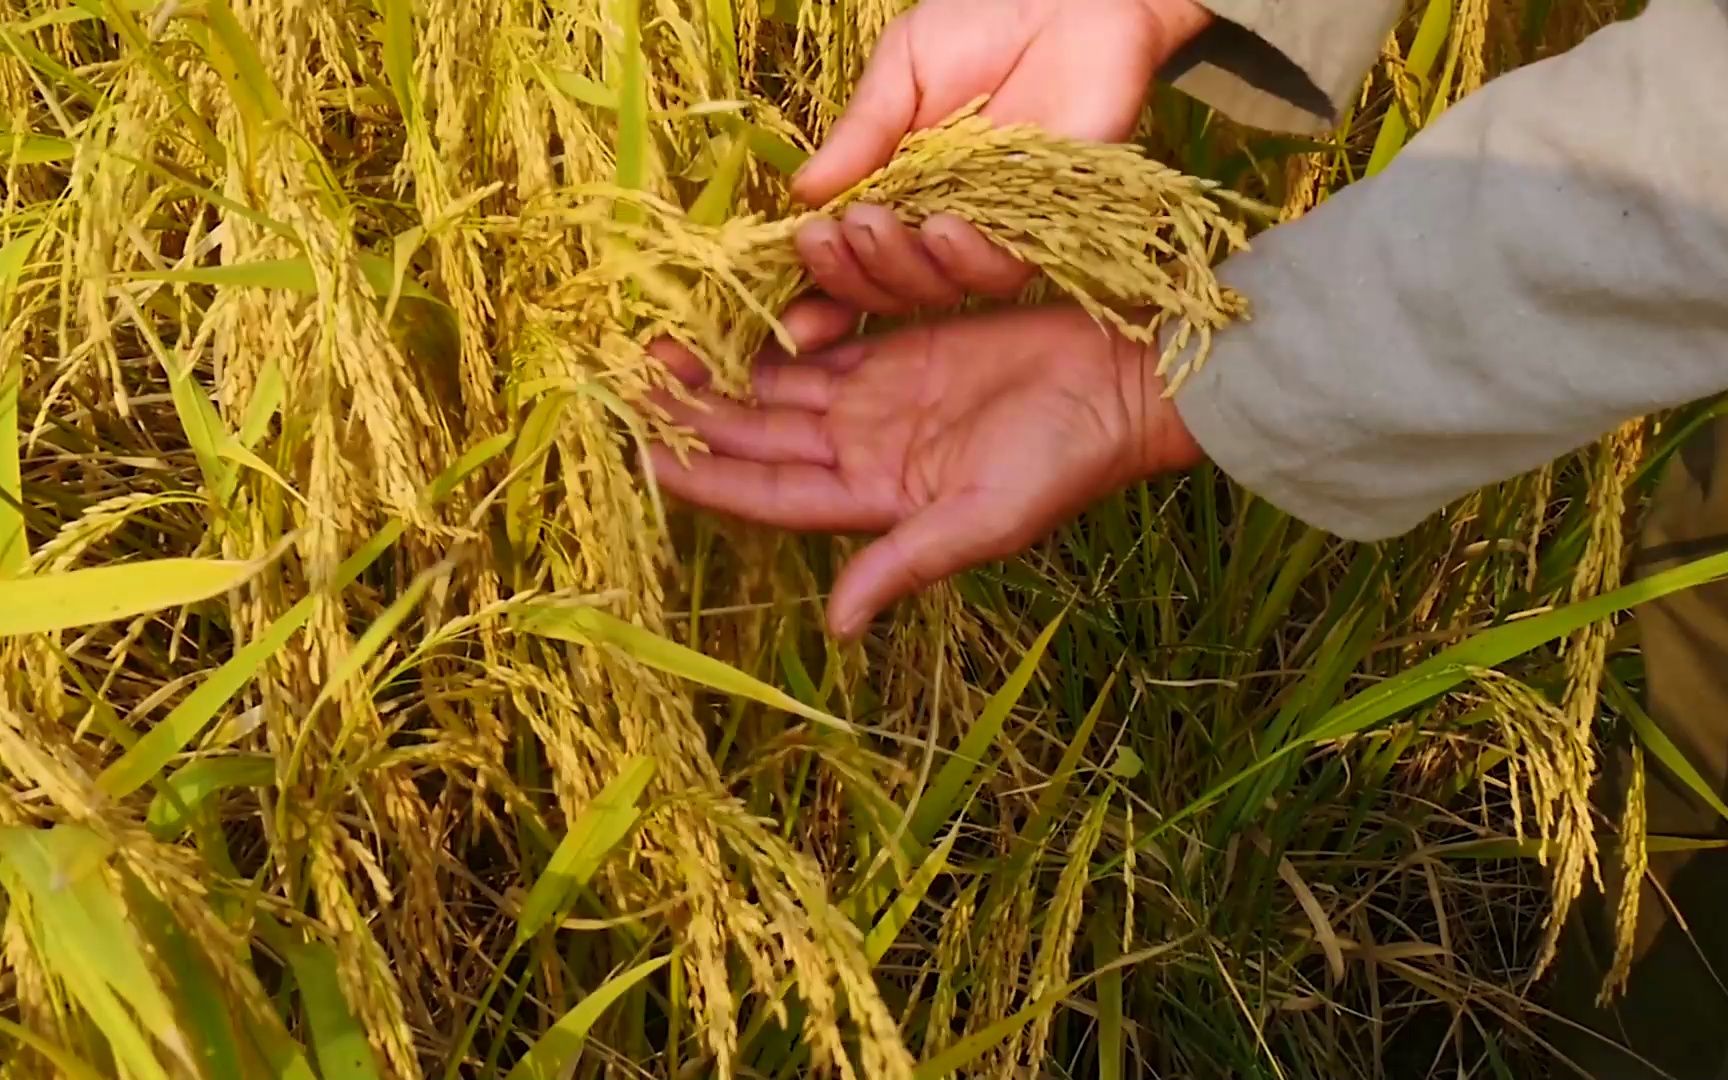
960, 442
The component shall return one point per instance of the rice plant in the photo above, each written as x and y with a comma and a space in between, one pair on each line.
364, 712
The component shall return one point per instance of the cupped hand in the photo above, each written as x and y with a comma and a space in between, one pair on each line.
957, 443
1075, 68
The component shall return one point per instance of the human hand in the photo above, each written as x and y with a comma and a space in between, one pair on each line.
1075, 68
961, 442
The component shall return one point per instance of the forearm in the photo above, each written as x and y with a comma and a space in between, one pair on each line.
1546, 261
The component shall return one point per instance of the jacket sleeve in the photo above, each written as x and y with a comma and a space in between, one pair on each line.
1286, 65
1547, 260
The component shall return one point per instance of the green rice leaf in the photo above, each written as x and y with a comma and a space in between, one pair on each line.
553, 1054
601, 826
378, 633
152, 753
1661, 747
590, 626
900, 909
268, 392
629, 82
713, 204
583, 89
960, 771
29, 148
70, 1066
399, 58
46, 602
14, 543
776, 151
236, 58
533, 441
338, 1039
723, 35
974, 1046
202, 425
126, 26
87, 939
196, 781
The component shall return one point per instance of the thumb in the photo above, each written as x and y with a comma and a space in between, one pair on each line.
934, 543
876, 119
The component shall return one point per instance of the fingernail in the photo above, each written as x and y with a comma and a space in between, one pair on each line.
828, 254
865, 239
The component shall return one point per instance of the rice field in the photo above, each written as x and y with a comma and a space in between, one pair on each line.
365, 712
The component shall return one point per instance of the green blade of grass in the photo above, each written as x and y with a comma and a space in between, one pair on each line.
379, 632
196, 781
959, 772
554, 1053
338, 1040
590, 626
46, 602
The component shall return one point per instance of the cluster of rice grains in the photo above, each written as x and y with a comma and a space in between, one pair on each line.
378, 278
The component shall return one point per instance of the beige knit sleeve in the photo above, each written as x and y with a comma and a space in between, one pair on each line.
1286, 65
1545, 261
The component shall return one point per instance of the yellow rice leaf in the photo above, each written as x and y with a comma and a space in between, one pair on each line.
590, 626
555, 1052
36, 605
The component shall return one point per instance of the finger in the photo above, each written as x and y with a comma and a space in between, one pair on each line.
757, 434
876, 119
684, 365
972, 261
894, 258
794, 386
787, 496
816, 322
823, 246
938, 541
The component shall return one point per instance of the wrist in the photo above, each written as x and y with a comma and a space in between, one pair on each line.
1159, 441
1178, 21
